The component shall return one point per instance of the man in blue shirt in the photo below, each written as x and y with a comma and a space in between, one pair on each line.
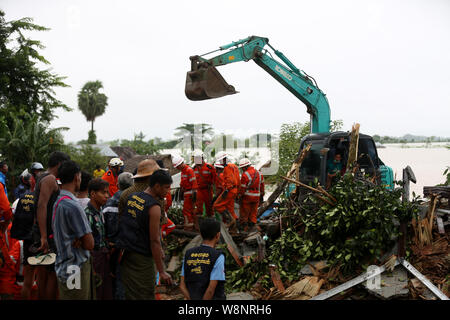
73, 238
203, 267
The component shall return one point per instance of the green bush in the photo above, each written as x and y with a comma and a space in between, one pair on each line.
352, 233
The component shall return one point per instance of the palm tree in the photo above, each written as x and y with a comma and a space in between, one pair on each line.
92, 104
205, 129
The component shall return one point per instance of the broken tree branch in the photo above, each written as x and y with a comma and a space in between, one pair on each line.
312, 189
282, 185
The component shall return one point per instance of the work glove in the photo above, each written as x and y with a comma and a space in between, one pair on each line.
225, 194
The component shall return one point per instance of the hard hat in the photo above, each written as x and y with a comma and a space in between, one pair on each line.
218, 165
24, 173
198, 157
176, 161
244, 162
36, 166
198, 153
26, 177
115, 162
221, 155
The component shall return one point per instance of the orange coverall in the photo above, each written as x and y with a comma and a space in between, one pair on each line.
205, 175
167, 228
231, 182
7, 266
219, 183
189, 184
112, 180
250, 190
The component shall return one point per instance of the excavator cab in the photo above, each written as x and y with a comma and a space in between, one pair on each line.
205, 82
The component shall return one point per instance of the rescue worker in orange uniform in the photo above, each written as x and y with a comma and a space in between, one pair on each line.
251, 191
169, 226
7, 266
188, 185
218, 183
112, 175
225, 201
205, 175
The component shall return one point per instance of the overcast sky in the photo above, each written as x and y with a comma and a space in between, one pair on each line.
384, 64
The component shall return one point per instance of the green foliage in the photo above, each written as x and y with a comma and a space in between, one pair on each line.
25, 89
176, 215
139, 145
92, 103
192, 129
291, 135
244, 278
170, 144
86, 156
358, 229
26, 141
92, 137
447, 175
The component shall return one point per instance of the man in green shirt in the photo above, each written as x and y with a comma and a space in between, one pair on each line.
98, 190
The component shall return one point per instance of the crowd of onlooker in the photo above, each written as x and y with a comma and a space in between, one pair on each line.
71, 234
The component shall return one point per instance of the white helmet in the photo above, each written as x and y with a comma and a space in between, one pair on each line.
198, 153
115, 162
218, 165
221, 155
198, 157
176, 161
36, 166
244, 162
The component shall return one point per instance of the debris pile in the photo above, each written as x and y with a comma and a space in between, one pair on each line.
320, 244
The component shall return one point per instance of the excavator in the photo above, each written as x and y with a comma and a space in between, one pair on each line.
204, 81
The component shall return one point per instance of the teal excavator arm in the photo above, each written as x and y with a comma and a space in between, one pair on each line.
205, 82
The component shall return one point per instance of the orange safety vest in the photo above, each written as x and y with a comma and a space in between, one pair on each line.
231, 178
112, 180
188, 181
251, 182
205, 175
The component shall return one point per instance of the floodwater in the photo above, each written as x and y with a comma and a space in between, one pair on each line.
427, 162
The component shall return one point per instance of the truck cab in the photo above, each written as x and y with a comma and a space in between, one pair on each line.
324, 146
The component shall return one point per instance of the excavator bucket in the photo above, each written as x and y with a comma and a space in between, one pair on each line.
206, 83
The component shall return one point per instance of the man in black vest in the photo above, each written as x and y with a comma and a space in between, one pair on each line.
140, 237
203, 268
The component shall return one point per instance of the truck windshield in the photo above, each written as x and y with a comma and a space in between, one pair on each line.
310, 167
367, 147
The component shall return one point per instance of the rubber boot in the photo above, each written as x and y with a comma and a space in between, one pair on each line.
231, 222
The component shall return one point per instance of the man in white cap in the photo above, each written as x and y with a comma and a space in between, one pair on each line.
188, 185
112, 175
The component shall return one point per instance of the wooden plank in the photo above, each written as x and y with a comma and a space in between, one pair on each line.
353, 148
185, 233
231, 246
276, 278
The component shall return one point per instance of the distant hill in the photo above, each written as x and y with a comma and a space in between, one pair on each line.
409, 138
